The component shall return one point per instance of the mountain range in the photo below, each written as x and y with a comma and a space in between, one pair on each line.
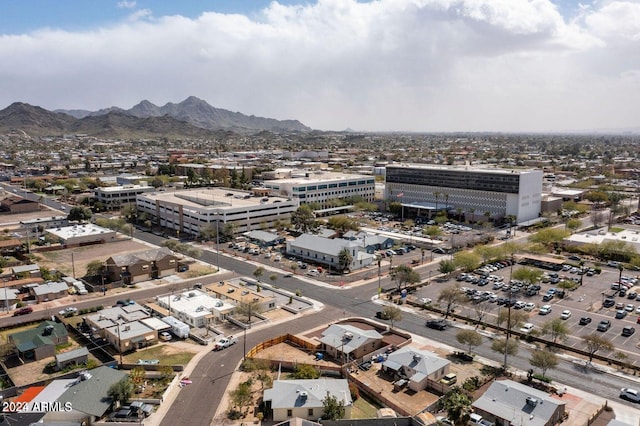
192, 117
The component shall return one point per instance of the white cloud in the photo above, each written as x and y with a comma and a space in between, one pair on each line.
385, 65
125, 4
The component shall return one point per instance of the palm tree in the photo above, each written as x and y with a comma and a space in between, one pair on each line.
436, 194
344, 259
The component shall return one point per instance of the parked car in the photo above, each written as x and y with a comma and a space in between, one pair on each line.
382, 315
527, 328
621, 313
166, 336
608, 302
68, 311
23, 311
566, 314
544, 310
604, 325
449, 379
628, 331
585, 320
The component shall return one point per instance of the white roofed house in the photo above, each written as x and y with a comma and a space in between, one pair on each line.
511, 403
303, 398
347, 342
49, 291
417, 366
326, 251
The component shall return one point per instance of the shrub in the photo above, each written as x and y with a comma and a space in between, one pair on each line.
353, 390
234, 414
542, 378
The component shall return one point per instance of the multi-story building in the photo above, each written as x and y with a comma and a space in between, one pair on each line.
467, 190
189, 211
324, 188
113, 197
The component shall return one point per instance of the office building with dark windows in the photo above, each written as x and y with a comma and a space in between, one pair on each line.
478, 194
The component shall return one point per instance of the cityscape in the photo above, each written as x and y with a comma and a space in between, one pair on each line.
339, 212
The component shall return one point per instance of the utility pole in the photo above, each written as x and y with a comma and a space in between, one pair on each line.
506, 340
73, 266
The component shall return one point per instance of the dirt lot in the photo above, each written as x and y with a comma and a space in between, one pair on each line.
61, 259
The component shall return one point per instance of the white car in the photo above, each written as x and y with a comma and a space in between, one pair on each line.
566, 314
68, 311
527, 327
630, 394
530, 306
544, 310
166, 336
425, 300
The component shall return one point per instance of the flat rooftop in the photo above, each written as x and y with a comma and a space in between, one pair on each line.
194, 303
462, 168
213, 198
319, 177
79, 231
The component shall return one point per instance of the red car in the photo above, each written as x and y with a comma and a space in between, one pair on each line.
23, 311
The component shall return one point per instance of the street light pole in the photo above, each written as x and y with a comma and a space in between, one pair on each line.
218, 242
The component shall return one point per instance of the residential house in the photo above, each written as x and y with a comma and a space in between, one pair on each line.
19, 205
26, 271
110, 317
140, 266
130, 336
511, 403
39, 342
303, 398
348, 342
419, 368
87, 397
49, 291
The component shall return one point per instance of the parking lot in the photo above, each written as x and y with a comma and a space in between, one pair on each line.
584, 302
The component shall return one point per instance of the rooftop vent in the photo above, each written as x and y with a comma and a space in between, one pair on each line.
303, 394
348, 335
532, 401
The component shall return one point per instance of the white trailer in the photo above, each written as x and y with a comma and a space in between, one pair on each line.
178, 328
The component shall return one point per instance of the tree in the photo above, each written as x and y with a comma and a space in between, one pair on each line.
573, 224
342, 224
549, 237
446, 267
137, 376
481, 310
121, 391
303, 219
511, 320
404, 275
305, 371
556, 329
451, 297
94, 268
333, 408
392, 313
500, 345
242, 395
467, 261
543, 360
432, 231
469, 338
594, 343
527, 275
248, 308
457, 404
79, 214
344, 259
258, 272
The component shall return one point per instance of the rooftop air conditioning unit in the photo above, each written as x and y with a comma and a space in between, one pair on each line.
303, 394
532, 401
348, 335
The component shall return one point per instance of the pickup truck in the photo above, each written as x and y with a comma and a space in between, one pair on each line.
225, 342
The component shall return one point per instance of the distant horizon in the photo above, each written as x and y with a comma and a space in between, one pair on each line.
411, 66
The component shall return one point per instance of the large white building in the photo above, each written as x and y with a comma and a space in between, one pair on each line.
196, 308
188, 211
322, 188
469, 190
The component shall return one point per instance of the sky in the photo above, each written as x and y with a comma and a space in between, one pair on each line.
378, 65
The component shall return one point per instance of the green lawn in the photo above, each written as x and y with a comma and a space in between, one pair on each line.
362, 409
159, 352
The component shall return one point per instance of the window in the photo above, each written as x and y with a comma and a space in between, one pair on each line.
289, 413
310, 412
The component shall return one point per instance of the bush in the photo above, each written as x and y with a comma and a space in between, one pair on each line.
298, 293
542, 378
234, 414
353, 390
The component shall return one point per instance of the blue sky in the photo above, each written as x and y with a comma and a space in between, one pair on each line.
383, 65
